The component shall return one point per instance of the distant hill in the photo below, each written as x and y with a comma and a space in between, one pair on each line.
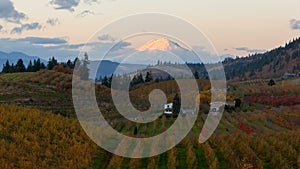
179, 70
13, 57
271, 64
107, 68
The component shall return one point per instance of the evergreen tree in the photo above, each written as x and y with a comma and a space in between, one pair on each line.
12, 68
83, 68
69, 64
6, 67
135, 130
34, 66
158, 63
196, 75
20, 67
238, 103
148, 77
51, 63
176, 104
134, 81
110, 80
169, 77
140, 79
76, 61
105, 81
137, 79
37, 65
43, 66
30, 67
271, 82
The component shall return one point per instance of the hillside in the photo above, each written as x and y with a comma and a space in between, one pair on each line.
272, 64
107, 68
46, 90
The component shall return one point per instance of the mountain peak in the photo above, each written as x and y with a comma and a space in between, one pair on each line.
161, 44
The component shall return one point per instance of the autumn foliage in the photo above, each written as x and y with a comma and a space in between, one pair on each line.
33, 139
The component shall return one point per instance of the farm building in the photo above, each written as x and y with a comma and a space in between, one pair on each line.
289, 75
168, 109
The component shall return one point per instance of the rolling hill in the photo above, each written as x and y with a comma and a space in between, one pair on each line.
107, 68
272, 64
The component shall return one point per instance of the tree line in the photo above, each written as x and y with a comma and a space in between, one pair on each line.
138, 79
35, 65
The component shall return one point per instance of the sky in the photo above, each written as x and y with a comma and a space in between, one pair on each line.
61, 27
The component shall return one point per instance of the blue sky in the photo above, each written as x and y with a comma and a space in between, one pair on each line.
60, 27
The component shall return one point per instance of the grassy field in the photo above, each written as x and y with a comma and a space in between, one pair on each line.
15, 77
20, 89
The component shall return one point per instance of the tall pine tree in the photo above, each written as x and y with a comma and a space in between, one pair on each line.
20, 67
176, 104
51, 63
6, 67
148, 77
83, 68
30, 67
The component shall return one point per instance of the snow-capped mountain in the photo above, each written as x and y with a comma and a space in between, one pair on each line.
160, 44
162, 50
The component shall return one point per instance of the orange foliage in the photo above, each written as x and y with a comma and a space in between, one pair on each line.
34, 139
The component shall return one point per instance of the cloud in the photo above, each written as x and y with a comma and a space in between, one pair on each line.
65, 4
85, 13
60, 47
31, 26
44, 41
9, 13
241, 49
76, 46
106, 38
295, 24
52, 21
36, 48
121, 45
245, 49
91, 1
